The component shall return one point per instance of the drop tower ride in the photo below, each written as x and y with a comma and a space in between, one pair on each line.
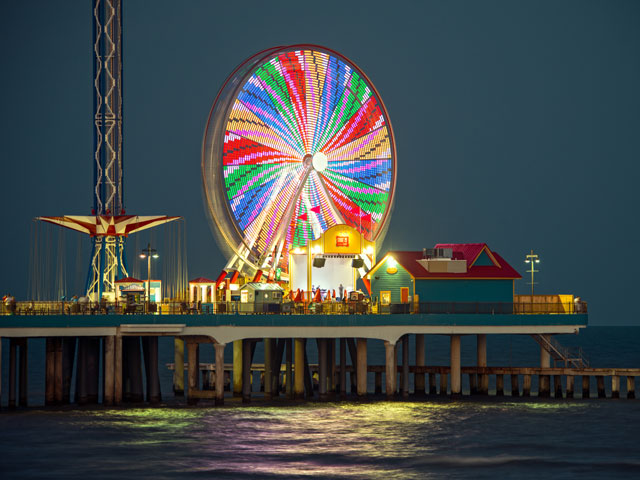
108, 225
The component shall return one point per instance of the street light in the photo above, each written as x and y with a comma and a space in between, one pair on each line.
532, 258
149, 253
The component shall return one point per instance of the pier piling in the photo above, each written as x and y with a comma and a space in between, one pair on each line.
515, 385
557, 386
526, 385
298, 382
246, 370
219, 353
499, 385
481, 354
109, 370
178, 372
390, 368
13, 347
269, 355
586, 381
322, 368
343, 367
600, 385
570, 385
405, 366
419, 377
237, 368
456, 379
544, 381
361, 363
631, 387
192, 371
615, 386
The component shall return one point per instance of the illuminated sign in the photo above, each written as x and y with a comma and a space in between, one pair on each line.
342, 240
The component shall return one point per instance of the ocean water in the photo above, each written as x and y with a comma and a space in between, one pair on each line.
434, 437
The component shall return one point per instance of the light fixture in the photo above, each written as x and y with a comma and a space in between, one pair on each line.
392, 262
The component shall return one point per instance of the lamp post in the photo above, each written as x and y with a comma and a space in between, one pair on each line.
148, 253
532, 258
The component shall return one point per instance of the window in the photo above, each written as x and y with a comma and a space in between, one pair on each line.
385, 298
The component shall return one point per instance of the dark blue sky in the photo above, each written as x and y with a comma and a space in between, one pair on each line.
517, 123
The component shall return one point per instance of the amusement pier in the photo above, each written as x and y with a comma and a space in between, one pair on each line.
299, 175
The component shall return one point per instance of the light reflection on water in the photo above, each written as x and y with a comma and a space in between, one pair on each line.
329, 440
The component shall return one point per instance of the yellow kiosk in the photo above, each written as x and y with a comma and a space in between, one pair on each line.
338, 257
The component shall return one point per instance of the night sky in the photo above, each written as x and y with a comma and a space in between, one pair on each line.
516, 123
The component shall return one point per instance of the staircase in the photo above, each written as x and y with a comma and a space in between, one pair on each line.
570, 357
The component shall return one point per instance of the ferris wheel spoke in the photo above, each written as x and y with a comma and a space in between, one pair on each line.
251, 122
376, 174
366, 120
315, 74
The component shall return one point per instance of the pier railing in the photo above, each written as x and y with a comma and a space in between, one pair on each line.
327, 308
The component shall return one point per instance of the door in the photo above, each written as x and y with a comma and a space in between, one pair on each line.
404, 294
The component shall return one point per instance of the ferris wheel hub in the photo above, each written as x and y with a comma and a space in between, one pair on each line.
319, 161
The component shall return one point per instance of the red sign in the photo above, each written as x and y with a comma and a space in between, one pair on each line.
342, 241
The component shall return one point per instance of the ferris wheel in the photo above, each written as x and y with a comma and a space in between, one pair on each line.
297, 141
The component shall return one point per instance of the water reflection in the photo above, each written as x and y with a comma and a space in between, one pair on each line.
329, 440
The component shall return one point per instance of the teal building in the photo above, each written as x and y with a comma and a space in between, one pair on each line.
468, 277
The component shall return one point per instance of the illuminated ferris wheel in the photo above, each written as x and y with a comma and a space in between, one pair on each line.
298, 140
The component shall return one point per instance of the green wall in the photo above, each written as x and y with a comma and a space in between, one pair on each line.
465, 290
389, 282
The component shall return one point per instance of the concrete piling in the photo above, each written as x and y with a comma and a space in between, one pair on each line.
481, 361
322, 368
343, 367
570, 385
13, 347
631, 387
24, 375
557, 386
544, 381
50, 367
526, 385
269, 355
615, 386
600, 386
419, 377
154, 395
390, 368
351, 345
331, 352
298, 382
499, 385
132, 369
237, 368
117, 368
289, 367
108, 397
405, 366
378, 383
192, 371
443, 383
456, 378
68, 360
515, 385
219, 354
361, 365
473, 384
246, 370
178, 371
432, 384
585, 386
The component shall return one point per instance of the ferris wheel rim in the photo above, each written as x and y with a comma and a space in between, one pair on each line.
253, 64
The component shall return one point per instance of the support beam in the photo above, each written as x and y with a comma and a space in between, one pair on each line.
390, 368
419, 378
432, 384
178, 371
219, 353
351, 344
154, 396
361, 376
68, 360
298, 388
481, 361
443, 383
331, 351
456, 379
